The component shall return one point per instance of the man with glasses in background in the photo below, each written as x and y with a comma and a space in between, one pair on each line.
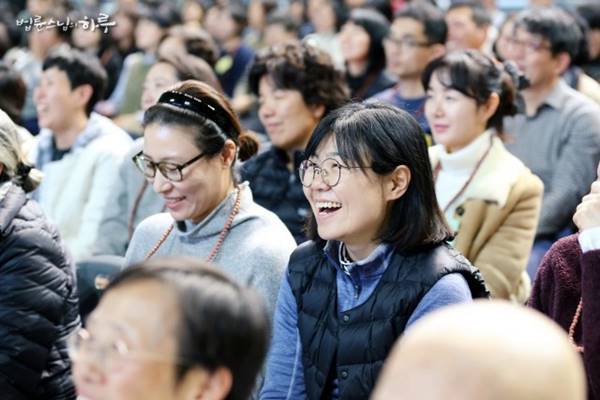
557, 133
417, 35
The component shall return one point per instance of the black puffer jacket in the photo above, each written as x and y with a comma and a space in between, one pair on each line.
38, 303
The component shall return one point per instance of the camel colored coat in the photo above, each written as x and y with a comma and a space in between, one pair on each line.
498, 215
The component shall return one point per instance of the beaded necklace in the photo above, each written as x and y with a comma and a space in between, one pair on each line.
574, 325
224, 231
134, 209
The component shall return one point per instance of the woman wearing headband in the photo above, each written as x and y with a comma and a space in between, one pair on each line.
490, 199
192, 139
131, 199
38, 295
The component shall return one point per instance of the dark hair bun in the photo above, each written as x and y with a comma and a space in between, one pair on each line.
248, 146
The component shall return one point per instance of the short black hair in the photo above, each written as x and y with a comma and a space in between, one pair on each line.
377, 27
221, 323
430, 16
381, 137
590, 12
301, 67
555, 25
479, 14
81, 69
477, 76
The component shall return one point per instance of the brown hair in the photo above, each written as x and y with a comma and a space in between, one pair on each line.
209, 135
188, 66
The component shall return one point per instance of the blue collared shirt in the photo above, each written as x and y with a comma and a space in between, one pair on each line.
355, 287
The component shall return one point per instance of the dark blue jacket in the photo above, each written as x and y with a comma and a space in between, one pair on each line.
278, 189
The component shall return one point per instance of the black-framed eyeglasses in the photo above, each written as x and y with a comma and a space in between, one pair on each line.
171, 171
330, 171
404, 42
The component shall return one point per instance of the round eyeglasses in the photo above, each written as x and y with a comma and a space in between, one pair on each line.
330, 171
171, 171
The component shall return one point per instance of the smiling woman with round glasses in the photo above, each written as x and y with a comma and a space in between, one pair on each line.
377, 262
192, 138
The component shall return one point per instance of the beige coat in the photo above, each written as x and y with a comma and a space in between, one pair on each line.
497, 218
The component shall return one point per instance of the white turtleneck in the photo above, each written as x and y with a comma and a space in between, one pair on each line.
456, 168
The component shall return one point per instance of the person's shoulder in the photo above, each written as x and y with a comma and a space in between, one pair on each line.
270, 223
265, 230
308, 250
438, 257
450, 288
32, 231
577, 105
110, 130
529, 182
509, 167
386, 96
566, 248
147, 234
109, 140
562, 261
255, 164
134, 58
154, 223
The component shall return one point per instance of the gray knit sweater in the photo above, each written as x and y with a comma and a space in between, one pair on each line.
255, 251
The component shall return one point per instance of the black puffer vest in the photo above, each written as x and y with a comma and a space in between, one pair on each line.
352, 346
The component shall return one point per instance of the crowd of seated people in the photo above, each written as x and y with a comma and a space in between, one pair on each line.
292, 199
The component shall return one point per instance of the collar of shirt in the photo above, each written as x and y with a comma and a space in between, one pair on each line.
557, 97
465, 159
45, 146
374, 264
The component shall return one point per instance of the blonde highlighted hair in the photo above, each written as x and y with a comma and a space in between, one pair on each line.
15, 167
